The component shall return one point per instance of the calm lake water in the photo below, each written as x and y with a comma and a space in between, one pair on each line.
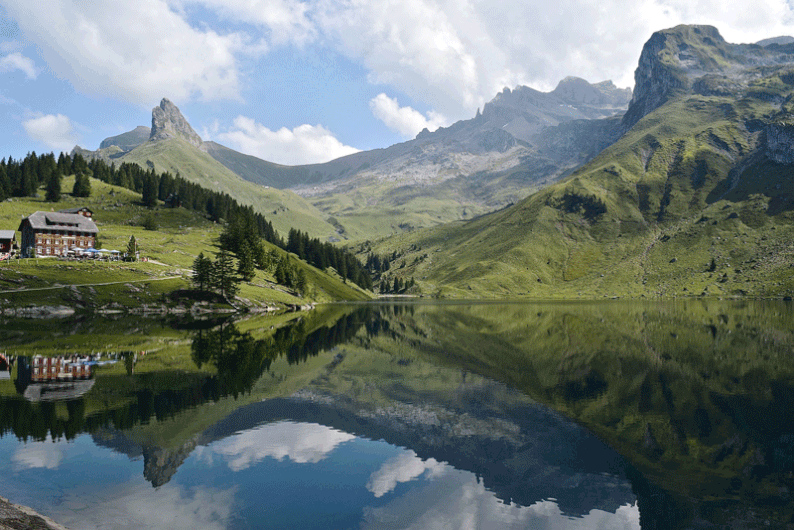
618, 415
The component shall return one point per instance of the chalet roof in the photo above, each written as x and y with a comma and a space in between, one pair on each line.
77, 210
60, 221
7, 234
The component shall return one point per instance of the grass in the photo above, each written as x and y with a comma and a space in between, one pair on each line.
283, 208
171, 249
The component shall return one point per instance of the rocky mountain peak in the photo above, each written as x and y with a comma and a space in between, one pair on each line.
168, 122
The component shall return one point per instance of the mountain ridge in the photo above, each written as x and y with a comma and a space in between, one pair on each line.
694, 199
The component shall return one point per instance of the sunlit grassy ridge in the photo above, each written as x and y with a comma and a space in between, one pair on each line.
181, 235
690, 183
282, 208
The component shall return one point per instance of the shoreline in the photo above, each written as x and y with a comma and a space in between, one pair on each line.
18, 516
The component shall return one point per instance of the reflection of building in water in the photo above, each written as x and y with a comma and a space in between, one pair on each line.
5, 367
53, 378
59, 369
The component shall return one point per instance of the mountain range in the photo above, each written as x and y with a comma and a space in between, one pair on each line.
521, 140
681, 187
694, 198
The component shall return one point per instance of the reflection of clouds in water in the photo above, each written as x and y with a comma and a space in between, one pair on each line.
31, 455
141, 506
402, 468
455, 499
300, 442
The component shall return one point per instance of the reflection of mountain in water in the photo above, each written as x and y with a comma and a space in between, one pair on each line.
523, 452
527, 455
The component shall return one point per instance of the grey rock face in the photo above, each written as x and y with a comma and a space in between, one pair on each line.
128, 140
697, 59
780, 142
168, 122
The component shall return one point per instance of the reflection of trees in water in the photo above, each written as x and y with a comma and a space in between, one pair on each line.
239, 357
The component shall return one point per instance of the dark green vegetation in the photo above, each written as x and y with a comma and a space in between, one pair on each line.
695, 199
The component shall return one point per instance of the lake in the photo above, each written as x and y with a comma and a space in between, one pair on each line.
608, 415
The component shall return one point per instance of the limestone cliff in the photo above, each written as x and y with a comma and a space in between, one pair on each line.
168, 122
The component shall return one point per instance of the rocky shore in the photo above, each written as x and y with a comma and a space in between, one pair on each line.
17, 517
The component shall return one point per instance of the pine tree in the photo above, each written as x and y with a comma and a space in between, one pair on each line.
132, 249
300, 281
245, 266
82, 186
53, 187
224, 279
202, 272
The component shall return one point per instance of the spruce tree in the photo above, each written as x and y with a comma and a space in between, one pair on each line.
202, 272
82, 186
53, 187
224, 279
245, 266
132, 249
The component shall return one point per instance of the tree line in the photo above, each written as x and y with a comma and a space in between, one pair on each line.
244, 230
23, 178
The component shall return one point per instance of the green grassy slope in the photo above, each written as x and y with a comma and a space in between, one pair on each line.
283, 208
172, 248
690, 183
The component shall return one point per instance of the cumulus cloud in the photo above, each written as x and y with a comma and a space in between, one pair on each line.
131, 506
38, 455
286, 21
300, 442
404, 467
455, 55
136, 51
305, 144
456, 499
53, 130
404, 120
17, 61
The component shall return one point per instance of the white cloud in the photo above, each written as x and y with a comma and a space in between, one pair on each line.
137, 51
300, 442
404, 120
54, 131
285, 20
305, 144
138, 505
457, 499
38, 455
455, 55
17, 61
404, 467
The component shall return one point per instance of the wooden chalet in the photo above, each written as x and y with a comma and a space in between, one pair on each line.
56, 233
8, 239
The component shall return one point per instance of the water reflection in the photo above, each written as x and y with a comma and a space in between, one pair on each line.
430, 413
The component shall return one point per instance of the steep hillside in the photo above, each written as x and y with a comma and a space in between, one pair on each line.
695, 199
283, 208
175, 147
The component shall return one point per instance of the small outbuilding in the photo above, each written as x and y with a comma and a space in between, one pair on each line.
8, 239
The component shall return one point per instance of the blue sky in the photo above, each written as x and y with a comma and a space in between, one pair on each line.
296, 81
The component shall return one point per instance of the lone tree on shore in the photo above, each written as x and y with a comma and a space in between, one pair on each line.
202, 272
